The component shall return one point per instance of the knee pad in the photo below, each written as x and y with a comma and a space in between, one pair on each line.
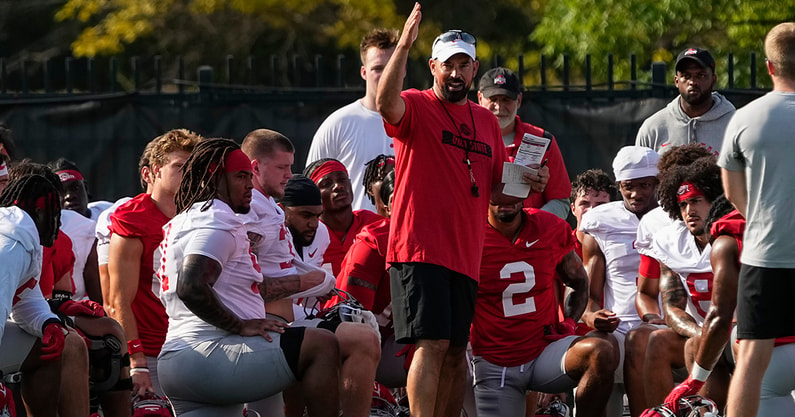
105, 361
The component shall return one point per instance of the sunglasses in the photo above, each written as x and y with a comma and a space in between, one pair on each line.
452, 35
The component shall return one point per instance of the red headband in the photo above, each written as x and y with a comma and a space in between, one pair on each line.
687, 190
3, 169
69, 175
327, 168
237, 161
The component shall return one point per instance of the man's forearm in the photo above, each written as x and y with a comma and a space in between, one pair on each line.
272, 289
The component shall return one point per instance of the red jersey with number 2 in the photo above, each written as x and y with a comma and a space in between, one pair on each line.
516, 295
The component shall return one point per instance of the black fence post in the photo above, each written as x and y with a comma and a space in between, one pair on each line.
205, 76
113, 67
158, 74
566, 72
730, 69
542, 68
658, 71
633, 71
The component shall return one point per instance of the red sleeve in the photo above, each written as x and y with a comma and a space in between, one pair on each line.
57, 261
401, 130
559, 185
649, 267
363, 262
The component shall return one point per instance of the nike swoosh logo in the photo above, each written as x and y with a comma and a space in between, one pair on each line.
312, 254
528, 244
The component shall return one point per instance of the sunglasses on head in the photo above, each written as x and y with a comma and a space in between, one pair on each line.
452, 35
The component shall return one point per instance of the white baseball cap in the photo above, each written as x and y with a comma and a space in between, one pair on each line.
633, 162
453, 42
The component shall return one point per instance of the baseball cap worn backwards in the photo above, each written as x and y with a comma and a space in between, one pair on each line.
500, 81
702, 56
633, 162
454, 42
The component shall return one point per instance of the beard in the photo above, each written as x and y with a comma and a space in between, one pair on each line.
456, 95
507, 216
698, 99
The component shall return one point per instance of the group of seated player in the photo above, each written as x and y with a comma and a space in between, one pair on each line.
217, 283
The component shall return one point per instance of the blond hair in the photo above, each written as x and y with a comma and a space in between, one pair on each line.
780, 49
175, 140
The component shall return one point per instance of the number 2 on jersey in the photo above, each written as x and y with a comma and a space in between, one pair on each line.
510, 306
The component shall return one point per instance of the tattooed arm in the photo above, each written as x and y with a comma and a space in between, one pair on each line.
198, 274
273, 289
674, 299
573, 274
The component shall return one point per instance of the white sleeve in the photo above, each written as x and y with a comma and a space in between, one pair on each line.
218, 245
318, 290
31, 311
9, 280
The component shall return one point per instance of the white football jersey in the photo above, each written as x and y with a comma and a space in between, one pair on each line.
615, 229
219, 234
654, 220
102, 231
676, 248
313, 254
270, 238
82, 231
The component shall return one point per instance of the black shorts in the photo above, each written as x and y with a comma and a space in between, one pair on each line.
431, 302
765, 303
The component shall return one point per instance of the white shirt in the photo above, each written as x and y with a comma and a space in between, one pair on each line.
353, 135
219, 234
102, 231
615, 228
21, 255
676, 248
271, 240
82, 232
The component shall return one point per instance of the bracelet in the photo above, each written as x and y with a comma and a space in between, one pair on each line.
134, 346
698, 373
139, 370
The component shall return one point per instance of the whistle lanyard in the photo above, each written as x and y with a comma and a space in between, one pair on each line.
474, 188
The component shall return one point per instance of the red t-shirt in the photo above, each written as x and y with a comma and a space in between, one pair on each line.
516, 294
57, 260
436, 218
340, 242
559, 185
140, 218
366, 260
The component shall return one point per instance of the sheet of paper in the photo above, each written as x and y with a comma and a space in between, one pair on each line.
531, 151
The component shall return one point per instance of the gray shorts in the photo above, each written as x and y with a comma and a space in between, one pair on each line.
15, 347
218, 376
500, 391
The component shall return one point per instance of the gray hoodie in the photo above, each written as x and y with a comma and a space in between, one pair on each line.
671, 126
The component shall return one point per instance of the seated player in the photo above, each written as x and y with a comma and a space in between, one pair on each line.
683, 251
374, 173
34, 341
517, 341
220, 351
338, 215
727, 227
110, 382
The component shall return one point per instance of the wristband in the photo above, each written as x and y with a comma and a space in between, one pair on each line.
134, 346
139, 370
698, 373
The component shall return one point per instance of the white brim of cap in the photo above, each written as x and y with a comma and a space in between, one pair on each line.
635, 173
444, 50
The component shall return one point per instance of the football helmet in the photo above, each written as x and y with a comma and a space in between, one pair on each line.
151, 405
555, 408
692, 406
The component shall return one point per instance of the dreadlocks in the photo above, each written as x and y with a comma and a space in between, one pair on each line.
32, 192
201, 172
28, 167
376, 169
720, 207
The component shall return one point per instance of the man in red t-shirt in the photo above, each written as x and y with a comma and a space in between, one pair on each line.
518, 342
342, 221
137, 229
500, 91
448, 165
